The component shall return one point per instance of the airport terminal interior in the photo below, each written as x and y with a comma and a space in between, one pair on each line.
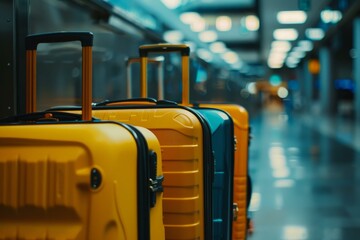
293, 65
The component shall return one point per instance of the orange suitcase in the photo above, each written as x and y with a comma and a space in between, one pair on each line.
67, 176
222, 130
240, 118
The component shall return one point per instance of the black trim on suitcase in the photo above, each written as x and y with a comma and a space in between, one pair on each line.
143, 189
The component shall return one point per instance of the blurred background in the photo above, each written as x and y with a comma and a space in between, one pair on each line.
293, 64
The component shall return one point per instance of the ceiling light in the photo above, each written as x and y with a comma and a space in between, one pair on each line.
252, 23
205, 54
306, 45
223, 23
173, 36
292, 60
276, 60
230, 57
281, 46
285, 34
290, 65
330, 16
189, 17
171, 4
297, 49
337, 16
297, 54
198, 25
278, 56
291, 17
315, 33
208, 36
274, 65
218, 47
237, 65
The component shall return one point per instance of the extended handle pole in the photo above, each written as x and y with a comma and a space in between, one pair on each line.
32, 41
144, 51
143, 85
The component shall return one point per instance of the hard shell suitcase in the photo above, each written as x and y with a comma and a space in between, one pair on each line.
222, 135
240, 118
223, 147
66, 176
185, 142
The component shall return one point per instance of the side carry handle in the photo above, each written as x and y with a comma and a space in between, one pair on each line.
184, 50
124, 102
31, 43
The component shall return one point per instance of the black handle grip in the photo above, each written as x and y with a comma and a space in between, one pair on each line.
107, 102
144, 50
86, 38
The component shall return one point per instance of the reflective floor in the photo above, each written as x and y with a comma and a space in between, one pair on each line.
306, 178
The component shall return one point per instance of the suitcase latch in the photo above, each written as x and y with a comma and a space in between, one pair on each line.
235, 212
155, 182
155, 187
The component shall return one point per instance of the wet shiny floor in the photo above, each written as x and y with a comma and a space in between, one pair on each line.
306, 178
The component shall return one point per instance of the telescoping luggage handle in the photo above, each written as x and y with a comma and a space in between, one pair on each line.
32, 41
144, 51
159, 63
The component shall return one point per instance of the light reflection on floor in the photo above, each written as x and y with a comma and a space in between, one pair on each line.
305, 180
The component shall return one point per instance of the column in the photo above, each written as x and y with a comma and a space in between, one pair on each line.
356, 68
308, 86
301, 82
327, 88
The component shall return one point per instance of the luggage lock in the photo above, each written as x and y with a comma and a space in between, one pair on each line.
235, 212
156, 185
155, 182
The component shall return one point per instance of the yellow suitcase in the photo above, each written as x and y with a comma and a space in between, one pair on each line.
65, 177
